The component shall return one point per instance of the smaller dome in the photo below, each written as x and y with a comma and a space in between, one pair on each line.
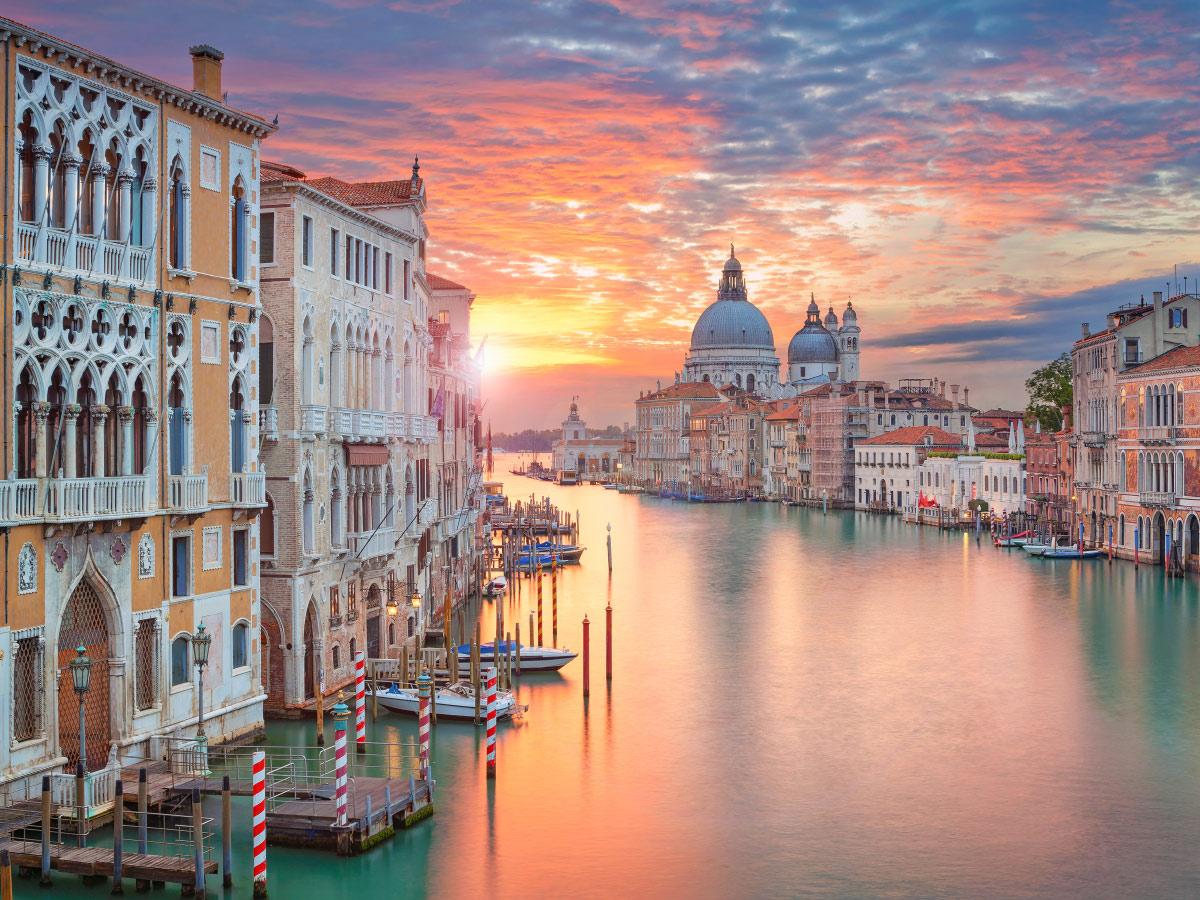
813, 309
732, 264
831, 318
813, 345
849, 317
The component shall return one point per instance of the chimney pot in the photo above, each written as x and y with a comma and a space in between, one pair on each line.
206, 70
966, 402
1087, 330
1158, 297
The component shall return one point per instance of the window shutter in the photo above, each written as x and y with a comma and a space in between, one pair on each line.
266, 238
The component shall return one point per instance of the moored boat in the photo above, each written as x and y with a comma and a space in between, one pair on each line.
533, 659
496, 586
454, 702
1070, 553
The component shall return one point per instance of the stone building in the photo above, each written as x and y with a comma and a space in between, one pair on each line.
588, 455
346, 429
131, 507
662, 430
887, 466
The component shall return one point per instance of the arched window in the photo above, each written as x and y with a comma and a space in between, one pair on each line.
353, 651
266, 360
893, 418
180, 670
241, 638
266, 530
412, 626
237, 232
338, 506
307, 522
237, 427
706, 376
750, 383
177, 216
737, 379
337, 656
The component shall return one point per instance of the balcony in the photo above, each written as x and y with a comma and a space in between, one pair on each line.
248, 488
1157, 434
312, 419
425, 429
63, 249
187, 493
341, 421
428, 511
96, 498
19, 501
1094, 438
397, 425
366, 545
1159, 499
370, 424
268, 422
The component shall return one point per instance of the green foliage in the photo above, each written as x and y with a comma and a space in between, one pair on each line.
1049, 391
376, 838
421, 814
954, 454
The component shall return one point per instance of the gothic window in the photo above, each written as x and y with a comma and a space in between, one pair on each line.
237, 427
266, 360
237, 232
180, 656
338, 506
335, 604
337, 656
334, 240
177, 214
307, 521
266, 530
146, 644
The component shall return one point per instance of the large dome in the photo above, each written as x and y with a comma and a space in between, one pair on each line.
812, 345
732, 323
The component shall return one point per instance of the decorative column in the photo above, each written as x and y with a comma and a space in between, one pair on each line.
149, 211
149, 423
71, 162
124, 202
349, 387
99, 172
99, 416
41, 180
125, 416
70, 419
377, 387
41, 412
187, 440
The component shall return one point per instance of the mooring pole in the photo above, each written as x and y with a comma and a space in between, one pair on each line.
587, 669
81, 804
5, 875
118, 835
198, 840
491, 722
258, 807
226, 833
46, 812
608, 642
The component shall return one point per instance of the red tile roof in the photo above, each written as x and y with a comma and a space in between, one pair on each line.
368, 193
785, 414
912, 435
1176, 358
438, 283
703, 390
990, 440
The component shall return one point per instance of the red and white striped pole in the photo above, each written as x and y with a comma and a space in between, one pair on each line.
360, 701
258, 807
587, 658
540, 642
423, 693
491, 722
554, 600
340, 713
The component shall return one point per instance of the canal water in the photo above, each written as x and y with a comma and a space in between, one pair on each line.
810, 706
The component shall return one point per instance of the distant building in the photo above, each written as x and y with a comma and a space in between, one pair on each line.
663, 428
887, 466
578, 452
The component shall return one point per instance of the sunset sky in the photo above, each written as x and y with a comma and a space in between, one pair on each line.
979, 177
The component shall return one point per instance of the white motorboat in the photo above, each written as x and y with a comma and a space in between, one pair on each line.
496, 586
533, 659
455, 702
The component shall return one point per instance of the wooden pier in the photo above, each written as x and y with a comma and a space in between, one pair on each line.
99, 862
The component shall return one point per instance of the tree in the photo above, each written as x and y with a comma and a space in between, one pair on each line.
1049, 391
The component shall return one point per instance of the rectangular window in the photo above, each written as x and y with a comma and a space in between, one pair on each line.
358, 261
306, 247
406, 279
181, 565
146, 644
334, 237
349, 274
240, 557
375, 268
335, 608
266, 239
27, 688
444, 316
387, 273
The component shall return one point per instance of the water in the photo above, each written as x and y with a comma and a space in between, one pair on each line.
809, 706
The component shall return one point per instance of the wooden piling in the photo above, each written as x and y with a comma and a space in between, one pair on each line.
320, 702
478, 663
531, 626
226, 834
198, 840
46, 819
118, 836
5, 875
374, 692
518, 639
587, 670
608, 642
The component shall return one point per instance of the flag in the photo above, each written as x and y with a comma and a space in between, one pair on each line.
439, 405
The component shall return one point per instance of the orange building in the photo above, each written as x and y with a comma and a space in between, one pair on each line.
130, 508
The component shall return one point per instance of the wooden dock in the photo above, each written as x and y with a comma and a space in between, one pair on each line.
98, 862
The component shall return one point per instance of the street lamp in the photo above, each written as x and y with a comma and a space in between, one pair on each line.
81, 674
201, 642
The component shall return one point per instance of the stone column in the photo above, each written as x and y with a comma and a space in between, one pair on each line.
70, 164
150, 424
41, 412
41, 180
125, 415
124, 202
99, 172
187, 440
351, 365
149, 211
99, 415
70, 420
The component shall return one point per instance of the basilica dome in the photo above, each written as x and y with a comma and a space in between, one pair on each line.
732, 321
813, 343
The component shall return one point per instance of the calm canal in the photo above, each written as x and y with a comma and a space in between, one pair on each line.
810, 706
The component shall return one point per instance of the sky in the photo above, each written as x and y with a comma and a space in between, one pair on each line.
978, 177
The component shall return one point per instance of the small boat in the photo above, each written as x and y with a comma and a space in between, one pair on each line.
533, 659
455, 702
612, 486
496, 586
566, 553
1070, 553
1036, 549
1014, 540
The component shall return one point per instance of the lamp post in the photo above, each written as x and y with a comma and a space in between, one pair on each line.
201, 642
81, 675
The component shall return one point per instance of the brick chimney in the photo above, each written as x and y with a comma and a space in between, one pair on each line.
954, 394
1087, 330
206, 70
966, 402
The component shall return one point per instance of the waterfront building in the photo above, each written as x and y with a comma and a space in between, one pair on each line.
663, 430
347, 431
1132, 334
730, 453
992, 482
1048, 480
887, 466
131, 506
785, 434
580, 452
1158, 441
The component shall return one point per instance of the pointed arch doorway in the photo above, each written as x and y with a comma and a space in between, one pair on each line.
85, 624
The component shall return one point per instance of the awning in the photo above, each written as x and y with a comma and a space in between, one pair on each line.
368, 454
